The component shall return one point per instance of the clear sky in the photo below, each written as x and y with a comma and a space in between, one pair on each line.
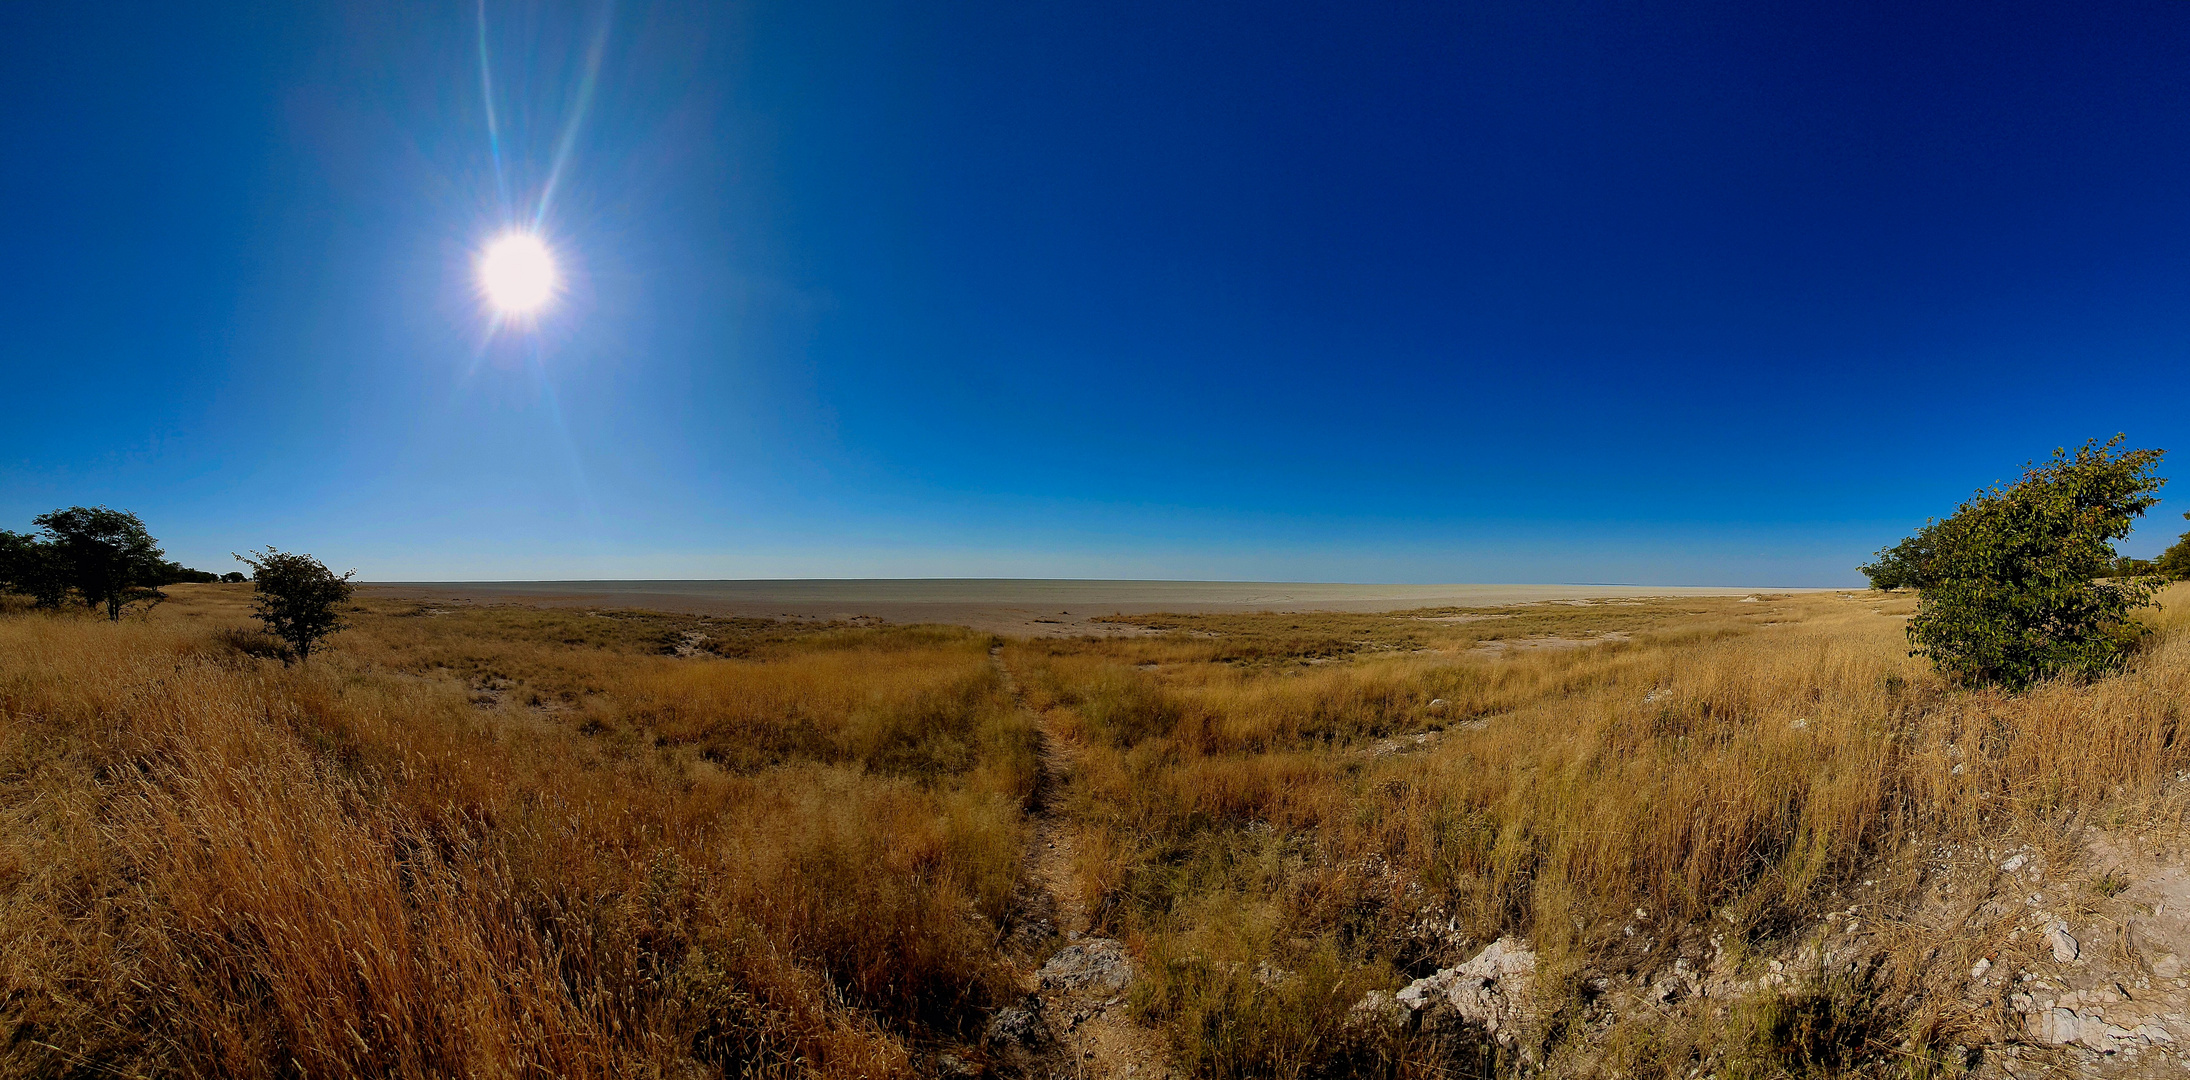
1699, 294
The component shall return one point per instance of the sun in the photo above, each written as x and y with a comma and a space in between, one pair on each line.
518, 273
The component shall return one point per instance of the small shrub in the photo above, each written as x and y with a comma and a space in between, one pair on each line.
297, 597
2015, 586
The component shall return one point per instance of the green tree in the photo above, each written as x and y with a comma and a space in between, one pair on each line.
2012, 590
30, 565
298, 597
2174, 563
105, 555
1902, 565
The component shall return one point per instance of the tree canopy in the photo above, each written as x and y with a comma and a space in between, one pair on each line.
1902, 565
29, 565
104, 558
2016, 585
105, 555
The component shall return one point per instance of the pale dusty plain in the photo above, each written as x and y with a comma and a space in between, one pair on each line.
1019, 607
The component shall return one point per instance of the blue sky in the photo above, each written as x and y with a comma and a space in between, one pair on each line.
1677, 294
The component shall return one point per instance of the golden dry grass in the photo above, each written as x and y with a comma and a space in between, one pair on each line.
374, 865
1731, 767
512, 842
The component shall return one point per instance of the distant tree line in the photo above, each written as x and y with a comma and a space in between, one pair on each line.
102, 558
2022, 583
108, 561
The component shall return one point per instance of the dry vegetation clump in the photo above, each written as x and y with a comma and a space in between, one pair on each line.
503, 841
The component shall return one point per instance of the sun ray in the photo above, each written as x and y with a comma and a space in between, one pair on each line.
494, 127
569, 137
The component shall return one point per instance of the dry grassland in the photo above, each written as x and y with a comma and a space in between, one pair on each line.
500, 841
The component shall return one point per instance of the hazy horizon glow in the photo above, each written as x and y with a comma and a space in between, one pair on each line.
1309, 292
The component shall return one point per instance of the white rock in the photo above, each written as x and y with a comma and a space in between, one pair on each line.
1493, 991
2016, 863
1978, 970
2060, 1027
1099, 963
2065, 948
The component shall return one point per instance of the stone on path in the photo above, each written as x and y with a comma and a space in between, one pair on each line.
1093, 963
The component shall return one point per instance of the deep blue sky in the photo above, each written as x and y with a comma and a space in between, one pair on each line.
1711, 294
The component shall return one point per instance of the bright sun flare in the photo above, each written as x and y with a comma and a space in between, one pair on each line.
518, 273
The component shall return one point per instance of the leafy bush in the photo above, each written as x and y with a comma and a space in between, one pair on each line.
297, 597
2012, 583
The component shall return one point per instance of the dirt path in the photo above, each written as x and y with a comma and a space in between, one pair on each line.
1084, 1030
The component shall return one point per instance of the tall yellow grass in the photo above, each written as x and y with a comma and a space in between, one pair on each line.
212, 865
1729, 767
507, 842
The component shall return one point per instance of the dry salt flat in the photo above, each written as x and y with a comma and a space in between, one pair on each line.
1016, 606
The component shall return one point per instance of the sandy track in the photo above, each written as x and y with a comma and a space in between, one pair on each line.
1092, 1036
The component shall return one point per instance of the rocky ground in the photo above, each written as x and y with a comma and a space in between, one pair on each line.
2065, 953
2063, 958
2086, 966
